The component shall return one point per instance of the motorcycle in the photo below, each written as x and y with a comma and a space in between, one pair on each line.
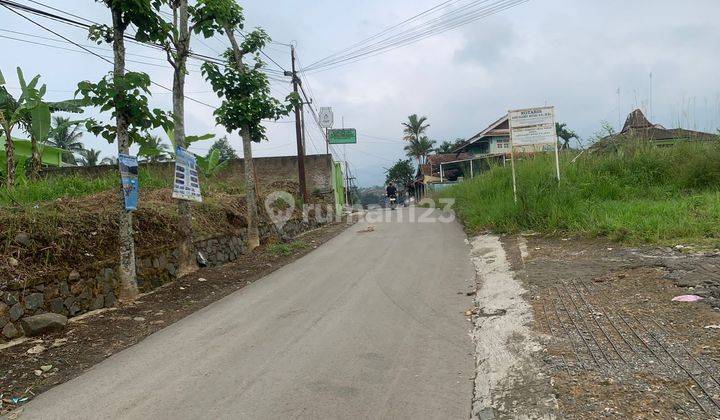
393, 202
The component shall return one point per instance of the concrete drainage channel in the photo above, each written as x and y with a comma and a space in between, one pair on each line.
508, 383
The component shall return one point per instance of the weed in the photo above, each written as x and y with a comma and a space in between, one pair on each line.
638, 194
282, 249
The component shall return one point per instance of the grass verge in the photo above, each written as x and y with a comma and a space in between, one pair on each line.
638, 194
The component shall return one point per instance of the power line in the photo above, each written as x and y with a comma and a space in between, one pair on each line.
384, 31
445, 22
8, 4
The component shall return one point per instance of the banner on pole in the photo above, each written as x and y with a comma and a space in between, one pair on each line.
129, 180
533, 129
187, 182
342, 136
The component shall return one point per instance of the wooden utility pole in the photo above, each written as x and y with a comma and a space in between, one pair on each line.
298, 130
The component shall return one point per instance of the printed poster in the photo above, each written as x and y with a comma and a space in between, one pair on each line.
187, 182
129, 180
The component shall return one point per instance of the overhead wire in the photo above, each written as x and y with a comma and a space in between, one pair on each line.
384, 31
5, 3
448, 21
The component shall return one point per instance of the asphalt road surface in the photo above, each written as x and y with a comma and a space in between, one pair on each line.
369, 325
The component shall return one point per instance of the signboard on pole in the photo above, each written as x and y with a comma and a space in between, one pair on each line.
129, 180
187, 182
533, 130
326, 117
342, 136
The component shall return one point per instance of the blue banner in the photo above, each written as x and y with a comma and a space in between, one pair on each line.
129, 180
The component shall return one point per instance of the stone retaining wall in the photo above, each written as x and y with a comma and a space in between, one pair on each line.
96, 286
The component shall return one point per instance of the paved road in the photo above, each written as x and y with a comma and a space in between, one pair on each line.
369, 325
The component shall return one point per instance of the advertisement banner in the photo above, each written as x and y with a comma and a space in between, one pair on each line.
187, 182
129, 180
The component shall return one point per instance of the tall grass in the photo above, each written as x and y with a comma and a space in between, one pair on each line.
74, 186
639, 194
69, 186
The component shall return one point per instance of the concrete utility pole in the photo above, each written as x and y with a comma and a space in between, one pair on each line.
298, 129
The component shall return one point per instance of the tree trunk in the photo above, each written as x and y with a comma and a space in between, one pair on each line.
35, 159
182, 48
250, 189
253, 235
10, 153
127, 274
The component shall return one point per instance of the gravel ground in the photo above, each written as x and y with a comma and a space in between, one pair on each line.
615, 344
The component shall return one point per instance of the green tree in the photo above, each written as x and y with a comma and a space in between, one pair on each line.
66, 135
448, 146
402, 173
223, 147
565, 135
177, 47
89, 157
244, 88
420, 149
415, 127
125, 95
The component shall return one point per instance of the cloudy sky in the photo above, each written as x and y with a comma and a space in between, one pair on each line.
573, 54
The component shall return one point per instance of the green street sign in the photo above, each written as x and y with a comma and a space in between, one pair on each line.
342, 136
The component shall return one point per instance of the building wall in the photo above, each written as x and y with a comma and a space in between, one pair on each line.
23, 150
318, 170
499, 145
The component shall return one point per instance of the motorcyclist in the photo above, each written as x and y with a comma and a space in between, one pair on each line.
391, 190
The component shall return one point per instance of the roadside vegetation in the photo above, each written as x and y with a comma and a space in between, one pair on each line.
283, 249
637, 194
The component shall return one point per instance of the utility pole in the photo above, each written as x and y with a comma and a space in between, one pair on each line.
347, 184
298, 128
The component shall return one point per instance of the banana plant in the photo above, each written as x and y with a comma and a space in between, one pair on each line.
211, 165
31, 113
36, 115
10, 117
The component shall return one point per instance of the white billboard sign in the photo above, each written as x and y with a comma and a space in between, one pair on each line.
533, 126
326, 117
533, 130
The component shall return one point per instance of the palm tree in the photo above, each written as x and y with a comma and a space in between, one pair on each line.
66, 135
420, 149
445, 147
89, 157
153, 149
565, 134
414, 127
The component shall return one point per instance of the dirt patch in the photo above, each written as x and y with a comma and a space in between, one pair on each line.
616, 344
36, 365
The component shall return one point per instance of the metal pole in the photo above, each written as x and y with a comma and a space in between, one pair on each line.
298, 130
441, 173
512, 163
557, 161
471, 169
